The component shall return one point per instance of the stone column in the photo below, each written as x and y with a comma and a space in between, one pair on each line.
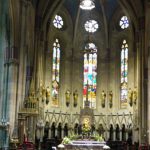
120, 134
148, 49
148, 117
56, 131
127, 134
23, 56
114, 135
49, 133
106, 134
11, 99
141, 79
62, 133
3, 44
31, 128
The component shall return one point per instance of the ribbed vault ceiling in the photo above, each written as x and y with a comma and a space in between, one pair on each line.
44, 7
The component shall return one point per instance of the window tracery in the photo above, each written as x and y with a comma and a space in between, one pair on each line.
91, 26
124, 22
55, 71
124, 72
58, 22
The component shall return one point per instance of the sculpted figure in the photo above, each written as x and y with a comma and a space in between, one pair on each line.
110, 99
47, 95
43, 94
103, 98
68, 93
75, 97
130, 96
134, 96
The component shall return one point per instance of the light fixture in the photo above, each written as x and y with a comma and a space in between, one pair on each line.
87, 4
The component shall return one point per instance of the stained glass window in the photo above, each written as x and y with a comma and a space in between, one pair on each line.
124, 72
58, 22
124, 23
91, 26
90, 73
55, 72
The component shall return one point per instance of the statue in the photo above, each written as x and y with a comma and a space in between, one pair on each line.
130, 96
110, 99
103, 98
43, 94
31, 101
101, 130
68, 93
75, 97
40, 89
134, 95
47, 95
86, 128
55, 88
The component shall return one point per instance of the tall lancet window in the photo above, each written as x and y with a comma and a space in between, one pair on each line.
90, 73
55, 72
124, 73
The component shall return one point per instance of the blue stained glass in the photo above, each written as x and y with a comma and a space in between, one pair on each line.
124, 23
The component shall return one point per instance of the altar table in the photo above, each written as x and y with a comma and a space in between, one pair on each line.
85, 145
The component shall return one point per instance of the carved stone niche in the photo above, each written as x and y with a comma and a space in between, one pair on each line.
87, 115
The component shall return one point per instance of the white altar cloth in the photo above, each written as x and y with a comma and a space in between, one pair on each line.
85, 145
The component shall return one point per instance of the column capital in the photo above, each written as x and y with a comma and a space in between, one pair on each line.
11, 61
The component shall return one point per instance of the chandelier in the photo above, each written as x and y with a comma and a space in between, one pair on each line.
87, 4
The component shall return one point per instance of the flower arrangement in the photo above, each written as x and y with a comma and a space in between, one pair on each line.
86, 128
98, 138
73, 137
66, 140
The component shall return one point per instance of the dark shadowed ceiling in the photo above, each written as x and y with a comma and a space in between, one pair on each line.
47, 8
108, 5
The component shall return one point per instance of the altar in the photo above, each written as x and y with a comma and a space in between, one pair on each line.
86, 140
85, 145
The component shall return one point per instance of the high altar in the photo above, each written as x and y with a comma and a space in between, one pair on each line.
86, 141
85, 144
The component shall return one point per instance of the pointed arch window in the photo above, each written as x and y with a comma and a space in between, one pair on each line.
90, 73
55, 72
124, 73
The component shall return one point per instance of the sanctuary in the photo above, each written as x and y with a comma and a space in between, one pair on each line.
76, 69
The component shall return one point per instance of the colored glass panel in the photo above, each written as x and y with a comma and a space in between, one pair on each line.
124, 73
58, 22
90, 73
91, 26
124, 23
55, 72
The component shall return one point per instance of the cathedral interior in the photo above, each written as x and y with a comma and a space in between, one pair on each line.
58, 57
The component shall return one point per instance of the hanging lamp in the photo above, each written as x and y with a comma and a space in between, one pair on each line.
87, 4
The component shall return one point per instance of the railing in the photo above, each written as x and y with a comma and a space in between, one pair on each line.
106, 120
